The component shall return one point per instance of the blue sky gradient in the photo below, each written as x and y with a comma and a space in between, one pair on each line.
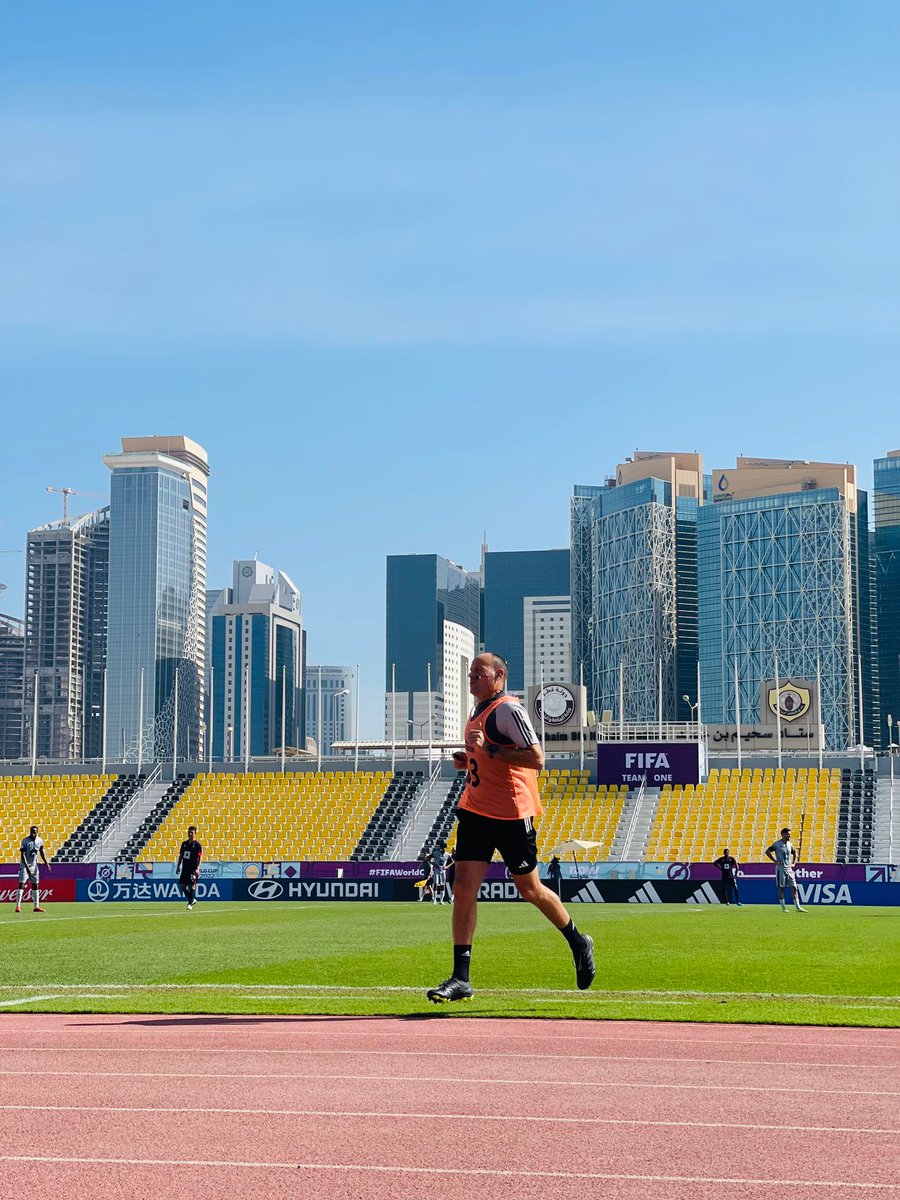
394, 264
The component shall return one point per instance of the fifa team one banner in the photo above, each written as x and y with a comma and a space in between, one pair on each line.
630, 764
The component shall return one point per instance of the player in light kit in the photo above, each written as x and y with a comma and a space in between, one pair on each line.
783, 855
189, 856
497, 810
32, 846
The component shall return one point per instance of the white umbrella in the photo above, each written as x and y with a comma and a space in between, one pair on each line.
572, 846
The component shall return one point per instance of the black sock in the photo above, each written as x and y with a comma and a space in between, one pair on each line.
572, 936
462, 956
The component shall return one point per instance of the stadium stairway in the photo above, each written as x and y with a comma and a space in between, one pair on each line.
388, 817
856, 817
409, 839
162, 798
442, 824
633, 831
84, 836
885, 845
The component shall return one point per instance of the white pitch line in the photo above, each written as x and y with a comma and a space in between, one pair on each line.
441, 1116
214, 908
376, 989
27, 1000
580, 1083
480, 1172
357, 1051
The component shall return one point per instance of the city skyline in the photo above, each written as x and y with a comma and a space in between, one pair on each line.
370, 654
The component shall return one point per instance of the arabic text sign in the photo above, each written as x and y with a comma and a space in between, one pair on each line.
657, 763
804, 736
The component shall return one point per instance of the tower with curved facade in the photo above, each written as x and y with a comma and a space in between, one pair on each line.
157, 598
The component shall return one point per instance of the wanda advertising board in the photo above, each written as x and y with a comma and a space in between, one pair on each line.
656, 763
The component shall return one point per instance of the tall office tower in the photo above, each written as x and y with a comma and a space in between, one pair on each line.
634, 586
887, 584
12, 679
785, 580
329, 690
432, 620
257, 663
66, 581
513, 582
548, 641
157, 585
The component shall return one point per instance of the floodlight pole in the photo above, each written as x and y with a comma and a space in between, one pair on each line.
103, 727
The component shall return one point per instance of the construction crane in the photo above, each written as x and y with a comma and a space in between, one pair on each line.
66, 492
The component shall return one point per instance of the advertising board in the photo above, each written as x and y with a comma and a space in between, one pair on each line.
99, 891
656, 763
53, 891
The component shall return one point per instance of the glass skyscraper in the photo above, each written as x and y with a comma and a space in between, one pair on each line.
784, 580
634, 586
887, 585
157, 584
511, 577
432, 617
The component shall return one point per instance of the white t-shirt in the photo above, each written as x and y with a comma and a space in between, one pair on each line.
29, 849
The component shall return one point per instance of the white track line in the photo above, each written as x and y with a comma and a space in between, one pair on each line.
480, 1172
356, 1052
441, 1116
581, 1083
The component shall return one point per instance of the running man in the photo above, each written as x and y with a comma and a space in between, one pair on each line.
497, 810
31, 847
783, 855
189, 856
727, 864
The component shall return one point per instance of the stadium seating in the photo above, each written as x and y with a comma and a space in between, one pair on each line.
387, 818
310, 815
856, 819
576, 808
99, 819
57, 804
442, 826
745, 810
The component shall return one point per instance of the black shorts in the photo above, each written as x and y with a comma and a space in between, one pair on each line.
478, 837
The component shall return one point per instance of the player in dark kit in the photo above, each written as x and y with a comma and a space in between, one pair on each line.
727, 864
189, 857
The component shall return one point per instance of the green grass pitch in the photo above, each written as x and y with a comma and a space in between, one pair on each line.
835, 966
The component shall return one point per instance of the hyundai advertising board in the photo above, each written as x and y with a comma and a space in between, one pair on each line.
653, 763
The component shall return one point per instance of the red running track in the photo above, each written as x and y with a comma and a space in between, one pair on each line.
168, 1106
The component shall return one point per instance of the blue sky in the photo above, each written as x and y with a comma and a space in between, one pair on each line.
411, 271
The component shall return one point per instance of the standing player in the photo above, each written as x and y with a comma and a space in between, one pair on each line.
31, 847
189, 857
497, 810
438, 874
727, 864
783, 855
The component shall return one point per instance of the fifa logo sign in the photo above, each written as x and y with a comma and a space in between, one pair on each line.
648, 759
